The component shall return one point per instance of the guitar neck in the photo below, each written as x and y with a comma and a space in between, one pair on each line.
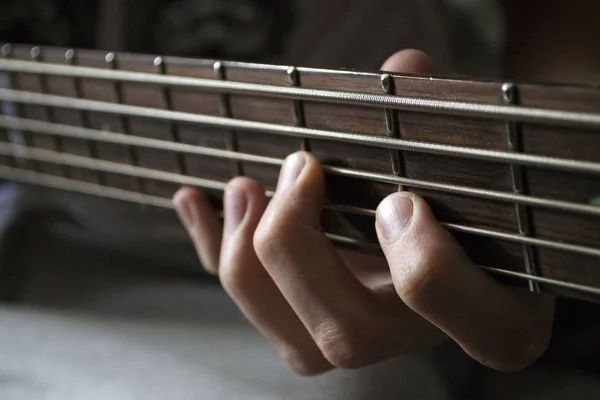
511, 169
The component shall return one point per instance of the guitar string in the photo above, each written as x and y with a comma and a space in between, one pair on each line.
53, 157
397, 102
112, 137
386, 142
55, 182
588, 170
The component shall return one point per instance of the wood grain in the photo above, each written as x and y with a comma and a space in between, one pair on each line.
414, 126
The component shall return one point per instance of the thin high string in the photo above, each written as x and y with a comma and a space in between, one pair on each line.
48, 156
55, 182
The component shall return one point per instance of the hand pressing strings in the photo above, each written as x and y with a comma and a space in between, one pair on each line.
325, 308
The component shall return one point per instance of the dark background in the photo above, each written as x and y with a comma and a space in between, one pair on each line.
248, 30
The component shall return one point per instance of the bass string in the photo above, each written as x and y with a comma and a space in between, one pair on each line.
385, 142
396, 102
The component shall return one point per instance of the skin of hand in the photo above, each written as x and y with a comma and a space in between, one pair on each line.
324, 308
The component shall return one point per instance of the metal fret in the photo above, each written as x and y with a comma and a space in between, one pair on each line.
147, 173
111, 63
71, 58
91, 134
578, 166
510, 96
392, 125
535, 115
161, 67
225, 107
298, 112
37, 56
9, 108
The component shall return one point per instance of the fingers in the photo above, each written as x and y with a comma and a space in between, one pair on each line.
501, 327
408, 61
249, 285
330, 301
202, 224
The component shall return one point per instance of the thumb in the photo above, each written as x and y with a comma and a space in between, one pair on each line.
501, 327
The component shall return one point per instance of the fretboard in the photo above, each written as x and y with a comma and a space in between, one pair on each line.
511, 169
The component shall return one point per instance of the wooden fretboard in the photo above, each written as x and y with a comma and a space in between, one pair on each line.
513, 170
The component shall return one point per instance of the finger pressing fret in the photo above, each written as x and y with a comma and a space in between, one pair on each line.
454, 147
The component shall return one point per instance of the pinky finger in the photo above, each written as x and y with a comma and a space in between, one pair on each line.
202, 224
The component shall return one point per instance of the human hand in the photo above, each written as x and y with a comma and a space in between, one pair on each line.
325, 308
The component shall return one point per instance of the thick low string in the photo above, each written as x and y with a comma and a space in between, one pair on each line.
396, 102
24, 97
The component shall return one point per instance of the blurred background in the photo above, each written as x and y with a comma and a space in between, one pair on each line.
461, 35
89, 311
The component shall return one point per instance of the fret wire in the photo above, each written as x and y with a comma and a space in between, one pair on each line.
404, 103
161, 67
284, 130
510, 96
298, 107
393, 126
9, 108
71, 58
37, 56
140, 172
225, 108
111, 63
78, 132
55, 182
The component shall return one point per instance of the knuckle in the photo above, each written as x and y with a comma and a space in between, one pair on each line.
240, 275
418, 281
342, 346
210, 265
234, 279
521, 353
240, 272
303, 365
271, 238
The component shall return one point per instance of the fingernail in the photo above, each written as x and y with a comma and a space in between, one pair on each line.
186, 215
236, 204
292, 168
394, 215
